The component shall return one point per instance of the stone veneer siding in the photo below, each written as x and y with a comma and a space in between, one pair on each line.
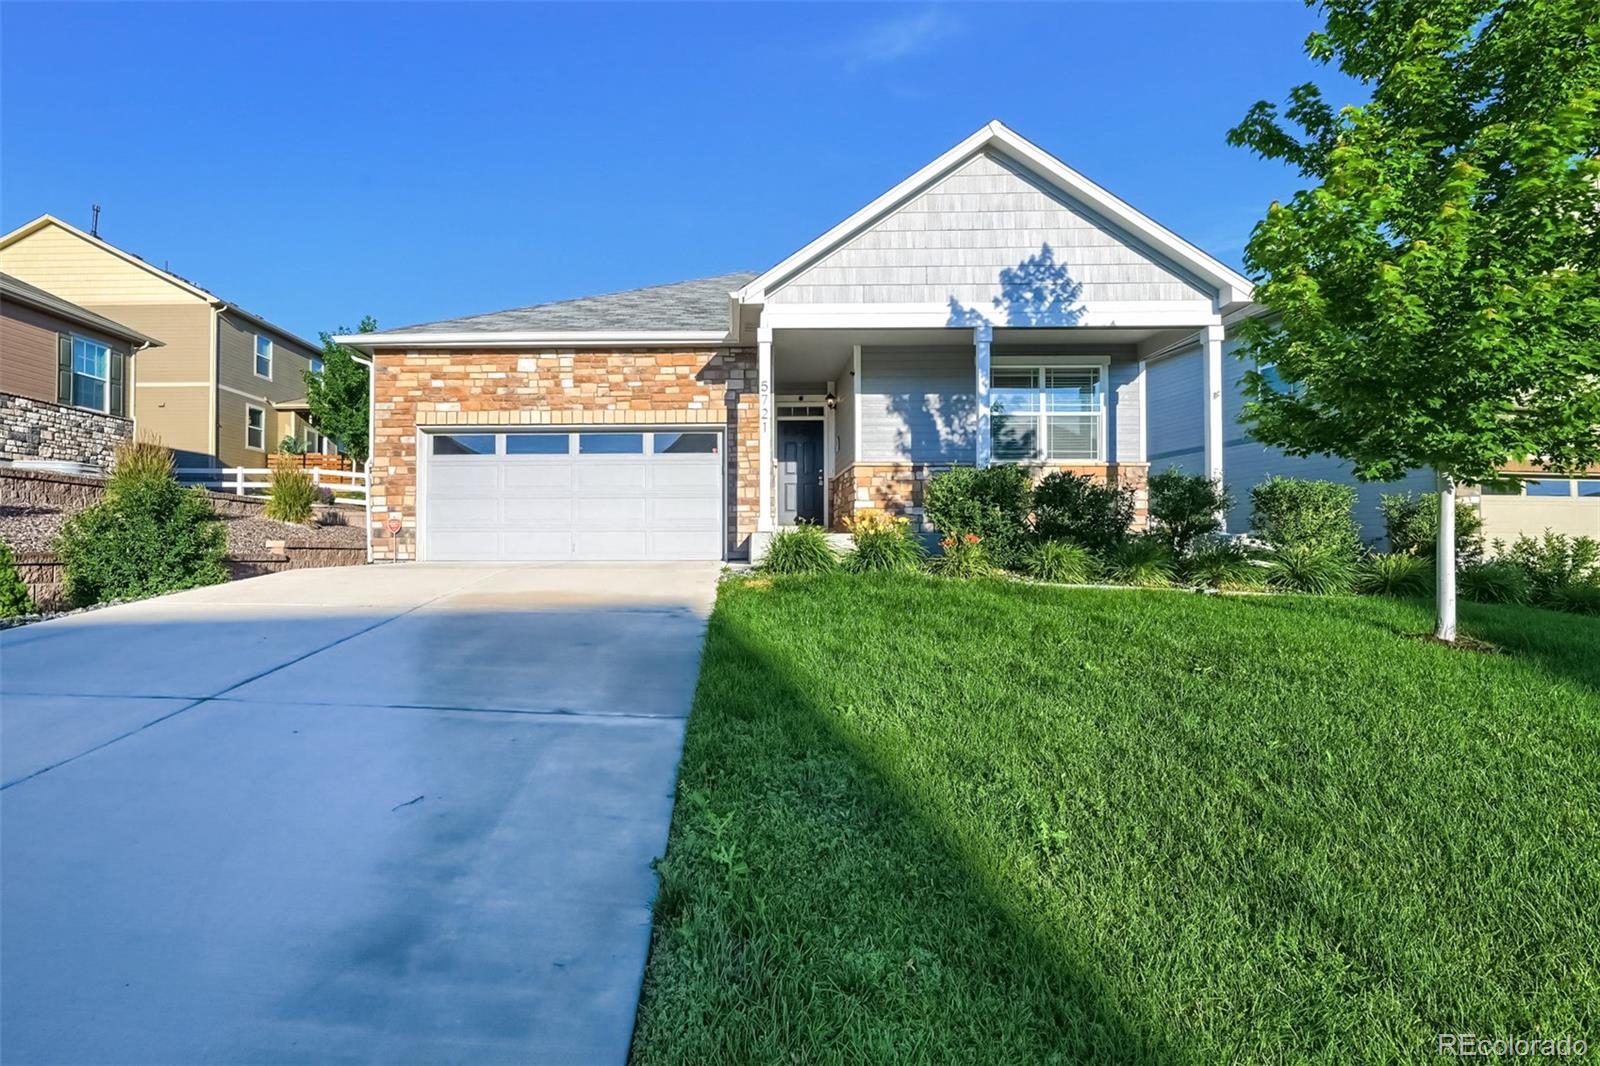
897, 488
556, 387
36, 429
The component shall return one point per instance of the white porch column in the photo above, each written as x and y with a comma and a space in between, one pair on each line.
1211, 352
764, 522
982, 337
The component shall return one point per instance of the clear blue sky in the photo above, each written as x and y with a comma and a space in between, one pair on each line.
319, 162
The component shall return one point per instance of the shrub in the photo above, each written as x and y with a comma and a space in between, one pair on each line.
149, 536
883, 543
1220, 564
1318, 515
992, 503
962, 556
1495, 582
14, 597
1186, 507
1411, 524
1554, 561
1579, 597
1394, 574
1060, 561
290, 446
801, 550
1077, 508
1320, 570
292, 495
144, 457
1144, 560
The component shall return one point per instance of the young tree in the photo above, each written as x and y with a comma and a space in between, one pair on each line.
337, 393
1435, 294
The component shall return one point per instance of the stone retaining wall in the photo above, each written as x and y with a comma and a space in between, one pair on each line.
35, 429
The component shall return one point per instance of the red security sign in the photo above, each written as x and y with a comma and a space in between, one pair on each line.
394, 526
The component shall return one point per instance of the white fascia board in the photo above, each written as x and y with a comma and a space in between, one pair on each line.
366, 342
1233, 287
1149, 314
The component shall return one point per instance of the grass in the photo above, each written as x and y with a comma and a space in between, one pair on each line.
931, 821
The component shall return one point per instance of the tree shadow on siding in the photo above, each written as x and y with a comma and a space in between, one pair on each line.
940, 426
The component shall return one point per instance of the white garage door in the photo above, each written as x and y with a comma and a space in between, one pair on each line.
590, 494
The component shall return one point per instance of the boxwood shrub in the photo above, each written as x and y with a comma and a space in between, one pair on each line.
991, 504
1315, 516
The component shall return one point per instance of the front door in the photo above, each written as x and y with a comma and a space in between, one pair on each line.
799, 472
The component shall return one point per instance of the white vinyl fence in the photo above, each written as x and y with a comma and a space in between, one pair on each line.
347, 486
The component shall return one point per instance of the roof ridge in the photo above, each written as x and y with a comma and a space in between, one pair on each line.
731, 280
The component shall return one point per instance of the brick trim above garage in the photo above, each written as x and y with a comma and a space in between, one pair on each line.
555, 387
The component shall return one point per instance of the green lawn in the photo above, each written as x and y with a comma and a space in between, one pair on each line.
923, 820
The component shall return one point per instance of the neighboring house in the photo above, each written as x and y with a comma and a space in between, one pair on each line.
65, 393
996, 306
226, 387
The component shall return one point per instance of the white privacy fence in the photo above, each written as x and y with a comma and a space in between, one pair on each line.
346, 486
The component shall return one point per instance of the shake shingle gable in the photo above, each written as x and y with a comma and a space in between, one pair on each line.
700, 304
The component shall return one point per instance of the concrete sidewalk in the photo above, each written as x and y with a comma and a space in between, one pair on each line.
398, 813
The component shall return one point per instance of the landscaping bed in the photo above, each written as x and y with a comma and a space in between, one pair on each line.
932, 820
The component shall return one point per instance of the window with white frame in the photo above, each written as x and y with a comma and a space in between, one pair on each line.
316, 365
263, 357
1046, 412
255, 428
91, 374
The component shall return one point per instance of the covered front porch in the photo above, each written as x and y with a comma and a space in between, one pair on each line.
860, 417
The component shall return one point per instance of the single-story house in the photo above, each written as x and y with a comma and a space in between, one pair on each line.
996, 306
65, 385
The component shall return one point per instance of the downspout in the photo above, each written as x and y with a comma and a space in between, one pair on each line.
132, 399
372, 392
215, 372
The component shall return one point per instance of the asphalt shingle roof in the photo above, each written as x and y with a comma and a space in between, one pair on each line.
701, 304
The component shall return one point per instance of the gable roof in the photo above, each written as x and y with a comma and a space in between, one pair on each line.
180, 283
18, 291
1233, 287
696, 311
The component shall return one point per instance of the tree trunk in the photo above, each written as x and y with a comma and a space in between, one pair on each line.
1445, 559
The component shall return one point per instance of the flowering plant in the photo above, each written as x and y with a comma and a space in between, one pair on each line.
963, 557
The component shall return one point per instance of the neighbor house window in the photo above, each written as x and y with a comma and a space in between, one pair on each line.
1046, 412
316, 365
91, 367
255, 428
263, 357
1549, 488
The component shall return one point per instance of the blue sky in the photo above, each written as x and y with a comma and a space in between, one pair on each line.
318, 162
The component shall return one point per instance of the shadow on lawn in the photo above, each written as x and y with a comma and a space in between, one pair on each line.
1560, 644
862, 931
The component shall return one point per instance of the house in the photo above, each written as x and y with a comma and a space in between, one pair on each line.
65, 394
225, 387
996, 306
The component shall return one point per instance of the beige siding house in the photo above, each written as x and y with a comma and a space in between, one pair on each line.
222, 388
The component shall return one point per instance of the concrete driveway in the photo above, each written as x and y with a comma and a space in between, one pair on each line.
384, 814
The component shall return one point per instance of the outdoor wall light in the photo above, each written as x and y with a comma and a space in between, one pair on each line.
831, 400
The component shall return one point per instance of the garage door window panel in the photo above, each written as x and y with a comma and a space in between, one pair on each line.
463, 444
538, 444
611, 443
684, 443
